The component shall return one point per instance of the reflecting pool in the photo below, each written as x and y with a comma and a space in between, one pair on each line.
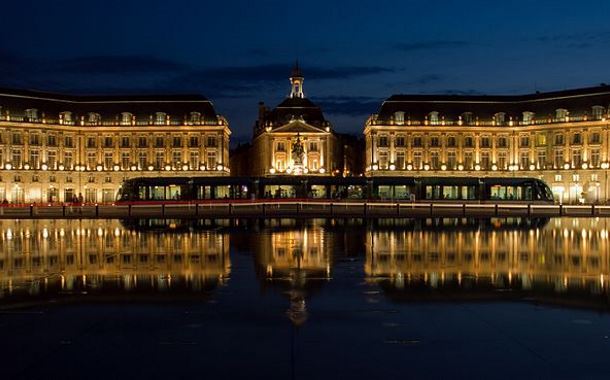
286, 298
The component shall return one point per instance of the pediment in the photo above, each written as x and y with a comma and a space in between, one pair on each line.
299, 126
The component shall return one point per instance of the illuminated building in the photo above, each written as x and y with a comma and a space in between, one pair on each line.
560, 137
294, 138
55, 147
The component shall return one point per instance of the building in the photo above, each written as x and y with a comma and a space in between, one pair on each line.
560, 137
54, 148
294, 138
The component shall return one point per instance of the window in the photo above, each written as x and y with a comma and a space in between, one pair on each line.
399, 117
160, 118
91, 142
194, 160
108, 161
159, 160
434, 161
193, 141
576, 158
435, 141
417, 160
528, 117
524, 160
451, 160
383, 160
561, 114
124, 142
52, 160
69, 142
31, 114
195, 117
94, 118
51, 140
142, 142
65, 117
159, 142
68, 161
417, 141
126, 118
500, 118
468, 142
595, 138
108, 142
400, 160
34, 158
176, 158
559, 139
34, 139
383, 141
91, 160
433, 117
211, 160
451, 142
576, 139
502, 142
575, 177
125, 160
502, 161
594, 177
485, 160
559, 158
400, 141
468, 160
524, 141
597, 112
541, 159
485, 142
313, 146
595, 158
211, 142
558, 178
177, 141
142, 160
17, 140
540, 139
16, 159
280, 146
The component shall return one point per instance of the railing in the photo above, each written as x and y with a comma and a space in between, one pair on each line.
243, 208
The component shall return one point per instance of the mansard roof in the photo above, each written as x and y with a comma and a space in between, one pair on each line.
578, 102
107, 106
297, 108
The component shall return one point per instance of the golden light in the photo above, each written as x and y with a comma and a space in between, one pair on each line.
443, 167
219, 167
202, 167
494, 167
272, 170
134, 168
532, 167
426, 167
185, 167
99, 168
116, 168
322, 170
460, 167
44, 167
409, 167
585, 165
375, 167
392, 167
477, 167
151, 168
566, 166
61, 167
168, 167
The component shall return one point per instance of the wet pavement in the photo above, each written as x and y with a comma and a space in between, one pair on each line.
305, 299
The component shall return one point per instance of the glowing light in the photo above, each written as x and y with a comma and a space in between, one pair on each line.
409, 167
202, 167
375, 167
168, 167
272, 170
99, 168
566, 166
426, 167
585, 166
532, 167
322, 170
116, 168
151, 168
494, 167
477, 167
26, 166
305, 170
61, 167
219, 167
134, 168
443, 167
185, 167
289, 170
44, 167
460, 167
392, 167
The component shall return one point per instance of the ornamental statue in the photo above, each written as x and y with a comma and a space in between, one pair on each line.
298, 152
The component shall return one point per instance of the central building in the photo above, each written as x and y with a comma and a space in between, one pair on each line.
294, 138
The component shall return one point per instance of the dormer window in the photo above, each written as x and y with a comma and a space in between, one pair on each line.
500, 118
94, 118
468, 118
126, 118
528, 117
561, 114
399, 117
160, 118
195, 117
31, 114
433, 117
65, 117
597, 112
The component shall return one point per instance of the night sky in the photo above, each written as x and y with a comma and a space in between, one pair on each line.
353, 53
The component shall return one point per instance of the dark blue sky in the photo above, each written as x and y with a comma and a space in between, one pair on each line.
353, 53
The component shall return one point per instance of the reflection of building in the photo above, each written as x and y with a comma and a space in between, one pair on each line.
53, 147
89, 255
565, 254
294, 138
560, 137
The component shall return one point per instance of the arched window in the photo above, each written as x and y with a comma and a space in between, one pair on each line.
94, 118
126, 118
500, 118
597, 112
195, 117
399, 117
31, 114
65, 117
433, 117
160, 118
561, 114
528, 117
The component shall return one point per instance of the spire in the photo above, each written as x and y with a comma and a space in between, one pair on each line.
296, 82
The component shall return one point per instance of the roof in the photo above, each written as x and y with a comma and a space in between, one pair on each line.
295, 108
417, 107
108, 107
